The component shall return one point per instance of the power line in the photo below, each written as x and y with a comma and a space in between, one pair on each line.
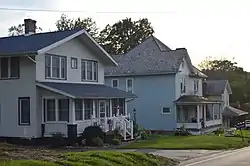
82, 11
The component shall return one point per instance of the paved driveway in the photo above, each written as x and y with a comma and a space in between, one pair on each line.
181, 155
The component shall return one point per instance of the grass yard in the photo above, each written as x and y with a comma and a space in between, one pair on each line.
15, 156
209, 142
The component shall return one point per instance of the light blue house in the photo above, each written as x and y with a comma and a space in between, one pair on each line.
169, 88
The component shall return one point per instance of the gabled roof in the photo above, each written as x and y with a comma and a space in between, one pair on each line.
149, 58
31, 43
76, 90
217, 87
41, 42
232, 112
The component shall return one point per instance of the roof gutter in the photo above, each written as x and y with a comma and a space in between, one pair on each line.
19, 53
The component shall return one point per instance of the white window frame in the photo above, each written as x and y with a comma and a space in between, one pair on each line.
85, 61
132, 91
56, 110
9, 69
196, 85
83, 111
113, 84
164, 112
60, 67
74, 62
20, 99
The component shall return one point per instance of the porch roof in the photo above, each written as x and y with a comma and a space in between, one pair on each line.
231, 112
76, 90
193, 99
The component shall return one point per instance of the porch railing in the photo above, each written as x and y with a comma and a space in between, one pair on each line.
121, 122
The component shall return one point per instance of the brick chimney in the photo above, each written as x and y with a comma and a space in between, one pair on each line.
30, 26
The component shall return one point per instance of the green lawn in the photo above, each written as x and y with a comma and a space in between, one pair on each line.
210, 142
11, 155
97, 158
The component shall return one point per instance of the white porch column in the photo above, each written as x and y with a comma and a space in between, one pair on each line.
110, 107
72, 111
94, 110
126, 108
213, 113
198, 115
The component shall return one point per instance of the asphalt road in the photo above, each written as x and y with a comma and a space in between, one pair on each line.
239, 157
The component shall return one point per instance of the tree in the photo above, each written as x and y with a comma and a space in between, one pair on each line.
220, 65
19, 30
224, 69
125, 35
65, 23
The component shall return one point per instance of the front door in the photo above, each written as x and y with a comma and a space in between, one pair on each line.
102, 108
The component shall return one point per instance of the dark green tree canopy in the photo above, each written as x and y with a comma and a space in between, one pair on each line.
65, 23
228, 70
125, 35
220, 65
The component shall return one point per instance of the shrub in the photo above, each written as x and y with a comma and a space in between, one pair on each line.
135, 129
144, 135
58, 140
219, 131
117, 134
116, 141
97, 141
181, 132
92, 132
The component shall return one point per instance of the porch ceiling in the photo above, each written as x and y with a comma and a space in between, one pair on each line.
231, 112
194, 99
76, 90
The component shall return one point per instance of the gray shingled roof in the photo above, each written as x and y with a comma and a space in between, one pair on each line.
216, 87
231, 112
88, 90
150, 57
194, 99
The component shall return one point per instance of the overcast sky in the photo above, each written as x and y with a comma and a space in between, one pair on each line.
216, 28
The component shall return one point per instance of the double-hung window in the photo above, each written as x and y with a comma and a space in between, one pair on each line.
10, 67
56, 109
55, 67
183, 85
24, 110
89, 70
196, 85
88, 109
78, 109
129, 85
115, 83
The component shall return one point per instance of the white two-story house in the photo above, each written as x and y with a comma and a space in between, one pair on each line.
54, 83
168, 86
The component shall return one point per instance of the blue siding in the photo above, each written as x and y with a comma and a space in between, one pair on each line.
154, 92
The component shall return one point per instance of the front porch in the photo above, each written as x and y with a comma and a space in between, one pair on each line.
198, 116
72, 114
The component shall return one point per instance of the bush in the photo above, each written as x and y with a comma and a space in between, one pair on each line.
135, 129
92, 132
58, 140
97, 141
219, 131
144, 135
181, 132
117, 134
116, 141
